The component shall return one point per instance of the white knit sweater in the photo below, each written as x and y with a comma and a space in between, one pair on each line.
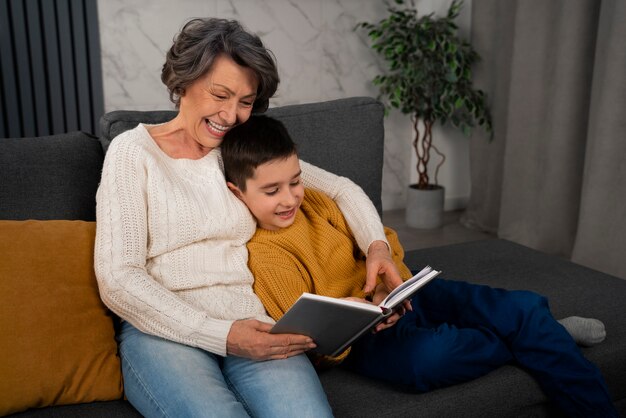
170, 253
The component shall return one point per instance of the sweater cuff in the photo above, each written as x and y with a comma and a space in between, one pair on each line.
214, 336
373, 241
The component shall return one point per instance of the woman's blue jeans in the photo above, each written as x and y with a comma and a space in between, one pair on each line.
166, 379
459, 331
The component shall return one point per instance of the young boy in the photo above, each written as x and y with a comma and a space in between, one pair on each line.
455, 332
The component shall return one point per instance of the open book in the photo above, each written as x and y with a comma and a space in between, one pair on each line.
335, 323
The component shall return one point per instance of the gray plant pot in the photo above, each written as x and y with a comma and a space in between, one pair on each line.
424, 208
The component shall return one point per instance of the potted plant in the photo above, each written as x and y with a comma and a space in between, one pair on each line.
429, 77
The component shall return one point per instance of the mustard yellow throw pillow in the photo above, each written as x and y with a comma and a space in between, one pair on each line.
57, 343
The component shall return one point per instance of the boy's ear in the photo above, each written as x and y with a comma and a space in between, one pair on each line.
234, 189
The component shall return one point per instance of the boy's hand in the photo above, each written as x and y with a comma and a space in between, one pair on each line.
388, 322
379, 295
379, 263
355, 299
251, 339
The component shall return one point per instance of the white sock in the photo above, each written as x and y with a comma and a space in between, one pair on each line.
586, 332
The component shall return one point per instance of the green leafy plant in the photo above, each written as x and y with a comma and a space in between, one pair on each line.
429, 75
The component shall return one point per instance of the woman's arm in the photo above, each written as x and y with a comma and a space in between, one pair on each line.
355, 205
363, 220
120, 259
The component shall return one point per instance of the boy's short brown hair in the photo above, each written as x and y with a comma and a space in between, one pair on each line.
245, 147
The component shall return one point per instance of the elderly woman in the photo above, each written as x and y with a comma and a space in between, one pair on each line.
170, 253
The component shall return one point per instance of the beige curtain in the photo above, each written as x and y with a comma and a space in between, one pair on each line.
554, 176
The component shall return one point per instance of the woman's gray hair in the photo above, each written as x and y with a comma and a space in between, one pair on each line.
201, 40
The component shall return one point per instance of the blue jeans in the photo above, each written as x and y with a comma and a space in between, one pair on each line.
166, 379
458, 331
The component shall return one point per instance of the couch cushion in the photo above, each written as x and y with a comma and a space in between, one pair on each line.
58, 342
51, 177
342, 136
571, 289
114, 123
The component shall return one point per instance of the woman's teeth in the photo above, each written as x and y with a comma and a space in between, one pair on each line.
217, 126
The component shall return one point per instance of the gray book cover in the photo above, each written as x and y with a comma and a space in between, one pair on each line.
335, 323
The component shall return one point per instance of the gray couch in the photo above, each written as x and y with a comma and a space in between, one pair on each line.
56, 178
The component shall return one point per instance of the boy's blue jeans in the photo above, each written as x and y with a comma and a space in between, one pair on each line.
458, 331
166, 379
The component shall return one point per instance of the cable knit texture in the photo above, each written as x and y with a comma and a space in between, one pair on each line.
170, 254
316, 254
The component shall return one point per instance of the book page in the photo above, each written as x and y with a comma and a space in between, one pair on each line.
406, 289
341, 301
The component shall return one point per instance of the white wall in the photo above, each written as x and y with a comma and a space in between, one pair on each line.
320, 57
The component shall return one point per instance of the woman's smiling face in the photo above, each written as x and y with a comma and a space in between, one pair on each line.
217, 101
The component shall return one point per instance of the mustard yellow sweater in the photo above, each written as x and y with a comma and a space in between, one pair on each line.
316, 254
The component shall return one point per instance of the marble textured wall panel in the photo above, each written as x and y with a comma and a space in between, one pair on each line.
319, 54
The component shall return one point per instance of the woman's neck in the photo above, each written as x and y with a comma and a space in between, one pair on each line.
176, 142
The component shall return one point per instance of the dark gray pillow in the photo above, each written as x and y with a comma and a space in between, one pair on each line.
344, 136
50, 177
114, 123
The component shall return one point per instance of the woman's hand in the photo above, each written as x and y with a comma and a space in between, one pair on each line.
251, 339
380, 263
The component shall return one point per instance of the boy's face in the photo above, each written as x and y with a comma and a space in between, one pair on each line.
275, 193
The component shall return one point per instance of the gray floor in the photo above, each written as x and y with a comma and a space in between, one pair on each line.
451, 232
